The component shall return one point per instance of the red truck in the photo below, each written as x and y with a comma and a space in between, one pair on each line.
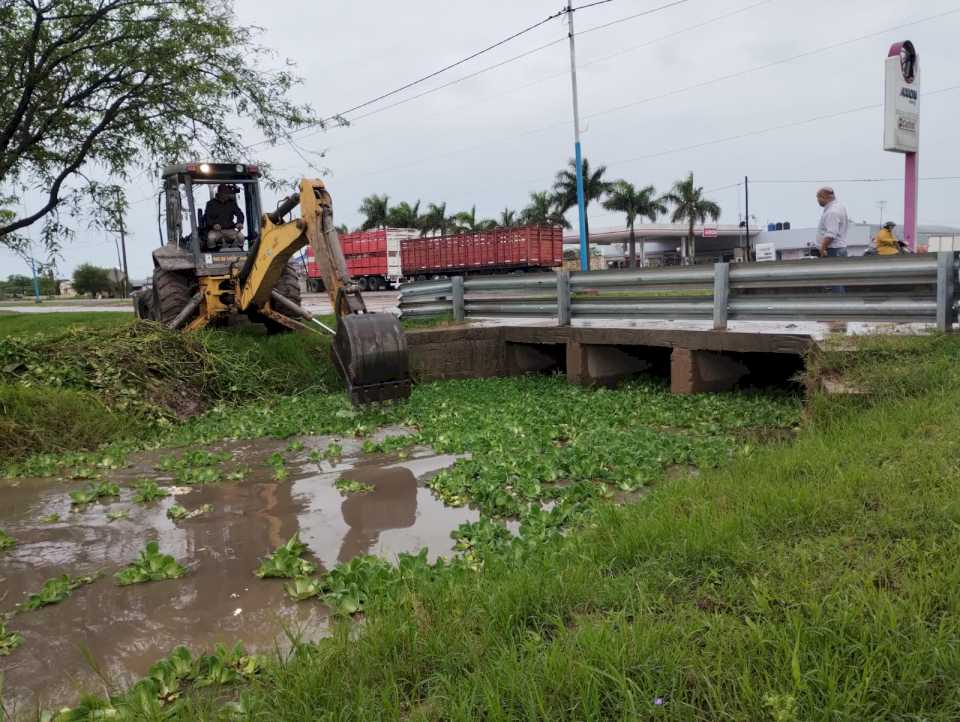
386, 257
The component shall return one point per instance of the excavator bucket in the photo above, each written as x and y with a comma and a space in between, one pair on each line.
370, 349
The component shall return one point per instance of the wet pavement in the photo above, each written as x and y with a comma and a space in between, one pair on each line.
118, 632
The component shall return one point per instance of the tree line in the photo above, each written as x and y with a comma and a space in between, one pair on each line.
684, 203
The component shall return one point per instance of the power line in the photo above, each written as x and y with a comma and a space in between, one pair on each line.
676, 91
495, 66
435, 73
856, 180
641, 14
771, 129
765, 66
564, 73
673, 34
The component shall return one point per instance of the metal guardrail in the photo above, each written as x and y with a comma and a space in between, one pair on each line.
903, 288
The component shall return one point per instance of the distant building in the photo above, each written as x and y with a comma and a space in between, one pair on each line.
66, 288
662, 241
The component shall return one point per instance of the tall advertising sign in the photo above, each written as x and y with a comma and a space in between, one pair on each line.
901, 124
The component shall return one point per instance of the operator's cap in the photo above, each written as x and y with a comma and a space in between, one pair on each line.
889, 224
227, 188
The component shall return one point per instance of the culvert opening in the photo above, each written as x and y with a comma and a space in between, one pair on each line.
613, 364
536, 358
771, 371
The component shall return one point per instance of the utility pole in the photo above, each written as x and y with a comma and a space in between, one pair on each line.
578, 153
746, 194
36, 284
123, 241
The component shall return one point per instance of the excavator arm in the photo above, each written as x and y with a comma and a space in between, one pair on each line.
369, 349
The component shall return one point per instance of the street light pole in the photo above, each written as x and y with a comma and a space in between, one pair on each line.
36, 283
578, 153
123, 242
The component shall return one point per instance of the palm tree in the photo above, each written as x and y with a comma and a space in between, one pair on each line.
690, 205
635, 203
436, 219
543, 211
375, 208
343, 229
468, 223
594, 188
508, 218
404, 215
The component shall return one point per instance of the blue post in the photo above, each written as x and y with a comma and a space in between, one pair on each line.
36, 285
581, 203
582, 208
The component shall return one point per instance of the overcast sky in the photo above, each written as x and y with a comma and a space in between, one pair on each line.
492, 139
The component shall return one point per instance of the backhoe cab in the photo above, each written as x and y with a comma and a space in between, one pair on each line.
204, 275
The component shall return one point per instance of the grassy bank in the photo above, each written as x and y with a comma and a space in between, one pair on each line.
71, 382
809, 581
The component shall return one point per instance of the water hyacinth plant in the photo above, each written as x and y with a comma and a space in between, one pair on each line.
286, 562
9, 640
54, 591
150, 566
346, 487
148, 491
94, 492
6, 541
179, 513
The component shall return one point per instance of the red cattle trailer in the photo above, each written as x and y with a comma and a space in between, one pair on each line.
528, 248
382, 258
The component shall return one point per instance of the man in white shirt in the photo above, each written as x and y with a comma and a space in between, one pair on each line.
834, 224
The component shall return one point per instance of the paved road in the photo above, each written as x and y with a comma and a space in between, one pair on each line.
376, 301
313, 302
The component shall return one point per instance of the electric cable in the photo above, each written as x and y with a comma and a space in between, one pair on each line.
342, 115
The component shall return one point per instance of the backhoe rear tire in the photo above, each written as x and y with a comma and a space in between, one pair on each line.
172, 292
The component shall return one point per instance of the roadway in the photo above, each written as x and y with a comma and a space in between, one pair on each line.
317, 303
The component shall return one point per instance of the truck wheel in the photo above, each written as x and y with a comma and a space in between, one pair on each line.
363, 284
172, 292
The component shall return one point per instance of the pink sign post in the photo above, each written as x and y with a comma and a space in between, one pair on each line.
901, 125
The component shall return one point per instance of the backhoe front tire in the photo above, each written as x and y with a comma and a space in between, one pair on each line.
172, 292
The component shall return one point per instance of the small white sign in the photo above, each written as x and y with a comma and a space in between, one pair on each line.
943, 244
766, 251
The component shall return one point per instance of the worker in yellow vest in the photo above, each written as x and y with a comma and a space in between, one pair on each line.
887, 244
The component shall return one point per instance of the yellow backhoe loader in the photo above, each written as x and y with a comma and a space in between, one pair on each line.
206, 276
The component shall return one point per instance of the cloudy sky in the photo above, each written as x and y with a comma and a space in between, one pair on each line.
657, 98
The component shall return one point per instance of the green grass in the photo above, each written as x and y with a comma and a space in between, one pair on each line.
809, 581
20, 324
70, 386
56, 421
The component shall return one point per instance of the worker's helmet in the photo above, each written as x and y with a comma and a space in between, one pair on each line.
890, 225
227, 188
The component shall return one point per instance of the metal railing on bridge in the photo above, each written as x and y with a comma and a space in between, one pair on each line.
908, 288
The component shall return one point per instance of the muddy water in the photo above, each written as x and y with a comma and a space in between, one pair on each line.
106, 632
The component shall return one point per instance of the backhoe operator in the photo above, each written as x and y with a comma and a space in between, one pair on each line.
224, 219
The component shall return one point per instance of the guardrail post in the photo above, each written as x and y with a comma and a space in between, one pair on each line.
721, 295
459, 307
946, 291
563, 298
